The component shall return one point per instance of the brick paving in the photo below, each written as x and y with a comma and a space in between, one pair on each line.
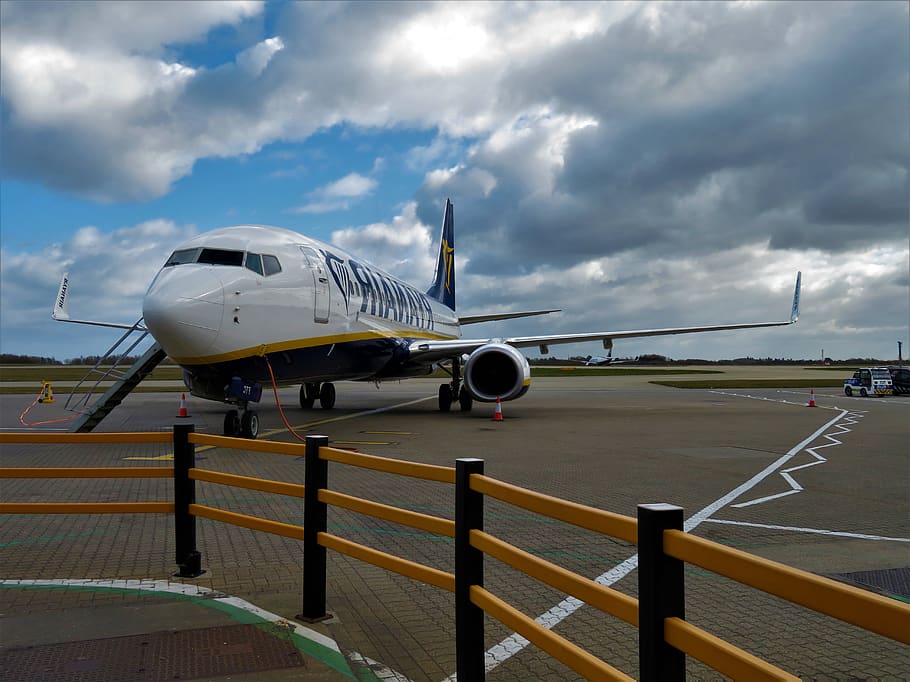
592, 444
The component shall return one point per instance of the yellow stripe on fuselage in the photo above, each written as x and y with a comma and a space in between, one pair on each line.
310, 342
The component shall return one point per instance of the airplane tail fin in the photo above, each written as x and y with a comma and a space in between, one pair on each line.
443, 287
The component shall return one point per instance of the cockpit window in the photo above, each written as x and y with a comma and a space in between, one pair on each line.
182, 256
220, 257
271, 264
253, 262
261, 265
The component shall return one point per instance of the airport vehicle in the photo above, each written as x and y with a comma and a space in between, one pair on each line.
900, 378
244, 307
869, 381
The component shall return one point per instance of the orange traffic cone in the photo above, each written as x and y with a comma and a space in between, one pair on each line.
811, 397
181, 412
497, 413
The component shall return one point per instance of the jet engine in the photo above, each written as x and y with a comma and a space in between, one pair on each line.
497, 370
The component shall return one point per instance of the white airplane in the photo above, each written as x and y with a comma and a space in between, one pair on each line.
242, 307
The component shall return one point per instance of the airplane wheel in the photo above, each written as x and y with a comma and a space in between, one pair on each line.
249, 425
327, 396
445, 398
231, 423
465, 401
848, 391
863, 393
307, 396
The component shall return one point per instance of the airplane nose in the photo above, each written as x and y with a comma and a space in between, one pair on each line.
183, 309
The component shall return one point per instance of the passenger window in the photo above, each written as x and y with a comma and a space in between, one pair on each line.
271, 265
254, 263
221, 257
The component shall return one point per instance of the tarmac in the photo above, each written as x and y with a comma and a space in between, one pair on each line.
93, 598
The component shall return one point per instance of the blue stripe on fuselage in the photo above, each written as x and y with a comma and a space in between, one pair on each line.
363, 359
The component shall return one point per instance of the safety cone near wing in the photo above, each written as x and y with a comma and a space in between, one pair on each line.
497, 413
47, 393
811, 397
181, 412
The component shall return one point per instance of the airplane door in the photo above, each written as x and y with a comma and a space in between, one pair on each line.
320, 284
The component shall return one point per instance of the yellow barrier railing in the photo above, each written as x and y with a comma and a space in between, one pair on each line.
872, 612
869, 611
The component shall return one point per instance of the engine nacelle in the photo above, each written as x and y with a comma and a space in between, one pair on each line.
497, 370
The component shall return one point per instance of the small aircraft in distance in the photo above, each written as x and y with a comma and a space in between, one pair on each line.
601, 360
242, 307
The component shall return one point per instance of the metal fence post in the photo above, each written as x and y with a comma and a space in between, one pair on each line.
187, 557
469, 646
315, 521
661, 593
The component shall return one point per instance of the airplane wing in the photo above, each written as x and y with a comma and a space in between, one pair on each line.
474, 319
60, 314
433, 350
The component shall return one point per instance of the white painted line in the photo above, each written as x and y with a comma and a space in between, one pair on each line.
849, 418
515, 643
818, 531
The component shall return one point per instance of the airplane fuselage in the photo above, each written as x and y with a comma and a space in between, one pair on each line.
230, 297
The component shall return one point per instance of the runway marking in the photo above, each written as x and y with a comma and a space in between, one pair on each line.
818, 531
362, 442
160, 458
766, 399
515, 643
795, 487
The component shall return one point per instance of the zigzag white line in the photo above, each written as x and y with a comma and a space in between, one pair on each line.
849, 418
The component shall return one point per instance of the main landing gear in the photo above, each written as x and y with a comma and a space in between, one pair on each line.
244, 425
455, 389
324, 392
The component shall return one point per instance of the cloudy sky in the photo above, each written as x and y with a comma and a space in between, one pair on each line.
637, 165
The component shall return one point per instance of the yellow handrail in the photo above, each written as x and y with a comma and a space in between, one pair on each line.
87, 472
245, 521
599, 596
873, 612
598, 520
86, 508
428, 472
390, 562
248, 482
572, 655
406, 517
136, 437
720, 655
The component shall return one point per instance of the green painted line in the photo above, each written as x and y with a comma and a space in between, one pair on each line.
331, 658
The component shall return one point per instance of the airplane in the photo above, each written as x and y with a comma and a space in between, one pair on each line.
243, 307
601, 360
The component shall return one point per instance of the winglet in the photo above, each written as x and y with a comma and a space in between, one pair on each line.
443, 287
59, 312
794, 311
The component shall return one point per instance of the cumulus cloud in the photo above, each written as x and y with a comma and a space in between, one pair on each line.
629, 158
404, 247
338, 195
109, 273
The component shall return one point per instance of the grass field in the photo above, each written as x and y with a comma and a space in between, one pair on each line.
35, 374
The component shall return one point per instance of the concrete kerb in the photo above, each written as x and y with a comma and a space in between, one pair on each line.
309, 642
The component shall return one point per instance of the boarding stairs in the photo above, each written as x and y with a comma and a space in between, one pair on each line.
92, 408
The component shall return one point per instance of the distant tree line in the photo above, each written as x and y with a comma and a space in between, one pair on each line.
12, 359
647, 359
